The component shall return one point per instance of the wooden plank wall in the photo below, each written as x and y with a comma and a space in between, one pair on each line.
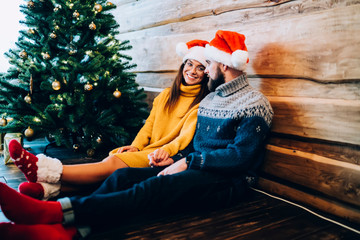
304, 56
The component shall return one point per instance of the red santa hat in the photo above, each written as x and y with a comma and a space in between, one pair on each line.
192, 50
228, 48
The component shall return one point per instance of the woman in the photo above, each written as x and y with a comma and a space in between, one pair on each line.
169, 129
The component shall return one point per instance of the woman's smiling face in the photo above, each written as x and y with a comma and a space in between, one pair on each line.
193, 72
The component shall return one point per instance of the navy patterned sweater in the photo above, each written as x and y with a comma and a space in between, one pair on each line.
232, 125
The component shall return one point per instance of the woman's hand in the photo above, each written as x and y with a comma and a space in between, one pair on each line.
177, 167
160, 158
127, 149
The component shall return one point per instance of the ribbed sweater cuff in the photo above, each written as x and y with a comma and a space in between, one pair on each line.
196, 162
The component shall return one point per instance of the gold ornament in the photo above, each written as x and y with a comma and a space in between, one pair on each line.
3, 122
30, 4
23, 54
53, 35
76, 14
99, 140
27, 99
56, 85
72, 49
29, 132
109, 4
31, 31
90, 152
88, 87
71, 5
76, 146
92, 26
117, 93
56, 27
45, 56
98, 7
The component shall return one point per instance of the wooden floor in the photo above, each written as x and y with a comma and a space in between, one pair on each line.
258, 217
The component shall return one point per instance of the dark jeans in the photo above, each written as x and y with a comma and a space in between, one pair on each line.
133, 191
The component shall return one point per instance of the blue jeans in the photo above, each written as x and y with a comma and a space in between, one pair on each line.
134, 191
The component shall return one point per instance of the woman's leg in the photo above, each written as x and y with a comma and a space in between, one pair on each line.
90, 173
42, 168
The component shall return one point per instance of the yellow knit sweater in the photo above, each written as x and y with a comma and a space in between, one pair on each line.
171, 131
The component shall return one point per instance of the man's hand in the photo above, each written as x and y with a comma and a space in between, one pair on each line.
177, 167
127, 149
160, 158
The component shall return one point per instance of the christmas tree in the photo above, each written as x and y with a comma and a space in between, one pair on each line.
69, 79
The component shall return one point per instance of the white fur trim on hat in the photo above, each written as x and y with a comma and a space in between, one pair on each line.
51, 190
49, 169
196, 53
237, 60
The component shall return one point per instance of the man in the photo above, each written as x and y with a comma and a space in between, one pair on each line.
233, 122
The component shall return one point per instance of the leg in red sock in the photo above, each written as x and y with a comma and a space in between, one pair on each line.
15, 231
24, 160
34, 190
38, 168
40, 190
23, 209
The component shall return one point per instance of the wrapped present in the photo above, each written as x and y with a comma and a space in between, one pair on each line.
7, 139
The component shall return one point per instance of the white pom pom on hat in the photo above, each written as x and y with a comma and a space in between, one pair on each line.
192, 50
228, 48
181, 49
239, 59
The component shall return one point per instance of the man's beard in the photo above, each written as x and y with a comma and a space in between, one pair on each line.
214, 83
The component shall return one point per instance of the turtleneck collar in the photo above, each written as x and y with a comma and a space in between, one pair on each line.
233, 86
190, 90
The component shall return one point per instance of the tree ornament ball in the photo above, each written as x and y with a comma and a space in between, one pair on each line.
30, 4
31, 31
23, 54
109, 4
76, 146
27, 99
29, 132
90, 152
53, 35
3, 122
117, 93
98, 7
99, 140
56, 85
76, 14
92, 26
88, 87
45, 56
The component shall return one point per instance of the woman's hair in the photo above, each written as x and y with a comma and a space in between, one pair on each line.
175, 91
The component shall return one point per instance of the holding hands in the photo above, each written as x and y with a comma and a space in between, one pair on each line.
160, 158
177, 167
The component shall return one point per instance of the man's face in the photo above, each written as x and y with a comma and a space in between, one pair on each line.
216, 77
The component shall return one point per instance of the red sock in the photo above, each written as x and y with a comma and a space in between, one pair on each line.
34, 190
23, 209
15, 231
24, 160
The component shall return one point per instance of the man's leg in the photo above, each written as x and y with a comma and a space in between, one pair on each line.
190, 188
125, 178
